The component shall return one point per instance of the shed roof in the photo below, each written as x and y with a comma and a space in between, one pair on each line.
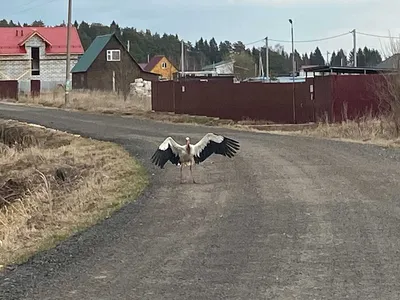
90, 55
391, 62
212, 66
349, 70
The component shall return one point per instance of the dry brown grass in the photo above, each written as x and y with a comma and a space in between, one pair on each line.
53, 184
112, 103
380, 130
92, 101
375, 130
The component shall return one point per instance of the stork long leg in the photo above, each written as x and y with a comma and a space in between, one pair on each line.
181, 172
191, 174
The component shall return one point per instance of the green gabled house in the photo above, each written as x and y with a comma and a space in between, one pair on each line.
107, 65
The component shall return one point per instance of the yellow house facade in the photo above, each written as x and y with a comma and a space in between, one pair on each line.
159, 64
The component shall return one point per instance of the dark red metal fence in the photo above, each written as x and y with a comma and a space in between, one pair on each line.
319, 98
237, 101
162, 96
354, 96
8, 89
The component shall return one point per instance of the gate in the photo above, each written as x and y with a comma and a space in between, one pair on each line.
35, 88
8, 89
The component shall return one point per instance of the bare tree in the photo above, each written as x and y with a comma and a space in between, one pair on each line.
243, 65
124, 73
124, 76
388, 89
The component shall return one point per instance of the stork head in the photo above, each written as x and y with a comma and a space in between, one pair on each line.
187, 140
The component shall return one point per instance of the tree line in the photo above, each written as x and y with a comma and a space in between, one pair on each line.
145, 44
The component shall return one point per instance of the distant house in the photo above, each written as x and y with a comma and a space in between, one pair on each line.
222, 67
160, 64
392, 62
36, 56
107, 65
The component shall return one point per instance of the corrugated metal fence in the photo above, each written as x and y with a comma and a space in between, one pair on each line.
8, 89
316, 99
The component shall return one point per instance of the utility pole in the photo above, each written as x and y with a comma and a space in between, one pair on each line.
266, 58
327, 58
128, 46
260, 66
182, 58
68, 65
354, 49
293, 71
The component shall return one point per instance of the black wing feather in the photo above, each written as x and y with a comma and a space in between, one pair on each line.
161, 157
227, 147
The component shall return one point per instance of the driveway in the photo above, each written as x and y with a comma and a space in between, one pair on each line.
287, 218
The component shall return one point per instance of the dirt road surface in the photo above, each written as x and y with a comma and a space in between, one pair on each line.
287, 218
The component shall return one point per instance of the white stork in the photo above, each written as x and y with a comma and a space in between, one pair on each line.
190, 154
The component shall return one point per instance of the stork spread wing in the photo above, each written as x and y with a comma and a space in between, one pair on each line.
213, 143
167, 151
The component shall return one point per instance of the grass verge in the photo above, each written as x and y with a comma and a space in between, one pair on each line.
112, 103
54, 184
379, 131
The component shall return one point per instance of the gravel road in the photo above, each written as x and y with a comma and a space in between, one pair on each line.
287, 218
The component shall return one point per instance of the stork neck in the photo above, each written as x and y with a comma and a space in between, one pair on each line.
188, 148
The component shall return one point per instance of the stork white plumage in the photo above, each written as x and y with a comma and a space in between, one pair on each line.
190, 154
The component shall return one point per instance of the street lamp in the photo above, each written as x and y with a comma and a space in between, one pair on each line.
293, 71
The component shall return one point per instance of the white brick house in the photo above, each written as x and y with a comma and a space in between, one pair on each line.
37, 54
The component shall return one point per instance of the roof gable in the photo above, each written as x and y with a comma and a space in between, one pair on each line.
31, 35
13, 39
153, 62
90, 55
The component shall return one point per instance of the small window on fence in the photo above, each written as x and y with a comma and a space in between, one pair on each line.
113, 55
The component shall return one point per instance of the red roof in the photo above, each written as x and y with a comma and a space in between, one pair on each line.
12, 39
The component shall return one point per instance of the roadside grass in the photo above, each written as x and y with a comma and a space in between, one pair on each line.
112, 103
54, 184
377, 130
374, 130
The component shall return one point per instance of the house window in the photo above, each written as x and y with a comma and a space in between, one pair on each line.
164, 65
35, 61
113, 55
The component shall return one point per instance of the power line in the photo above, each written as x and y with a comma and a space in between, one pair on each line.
255, 42
302, 41
378, 36
32, 7
312, 41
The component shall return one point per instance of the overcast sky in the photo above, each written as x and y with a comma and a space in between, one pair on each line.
245, 20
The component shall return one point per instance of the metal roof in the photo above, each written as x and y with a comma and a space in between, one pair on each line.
352, 70
90, 55
391, 62
14, 37
95, 48
212, 66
